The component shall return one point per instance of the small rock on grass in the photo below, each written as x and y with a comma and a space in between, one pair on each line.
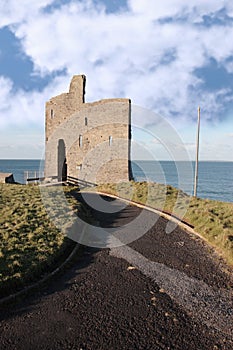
161, 290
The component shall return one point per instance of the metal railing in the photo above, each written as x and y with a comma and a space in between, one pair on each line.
68, 180
79, 182
33, 176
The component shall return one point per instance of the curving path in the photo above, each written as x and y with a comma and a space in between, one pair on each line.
162, 291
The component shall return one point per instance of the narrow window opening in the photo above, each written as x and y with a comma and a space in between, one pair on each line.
85, 121
52, 113
110, 140
80, 141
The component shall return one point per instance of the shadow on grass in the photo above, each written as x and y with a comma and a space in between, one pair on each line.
119, 215
61, 281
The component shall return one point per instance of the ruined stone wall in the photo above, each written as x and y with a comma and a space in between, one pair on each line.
96, 136
61, 107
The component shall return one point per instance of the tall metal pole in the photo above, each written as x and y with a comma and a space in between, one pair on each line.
197, 153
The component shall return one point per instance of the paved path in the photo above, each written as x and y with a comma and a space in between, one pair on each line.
162, 291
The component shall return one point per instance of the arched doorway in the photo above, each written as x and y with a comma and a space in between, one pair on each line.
61, 161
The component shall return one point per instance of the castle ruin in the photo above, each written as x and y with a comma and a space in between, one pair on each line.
88, 141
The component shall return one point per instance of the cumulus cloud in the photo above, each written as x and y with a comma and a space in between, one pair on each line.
148, 52
20, 108
5, 88
13, 11
178, 9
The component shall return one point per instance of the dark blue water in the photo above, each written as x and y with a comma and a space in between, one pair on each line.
215, 179
19, 167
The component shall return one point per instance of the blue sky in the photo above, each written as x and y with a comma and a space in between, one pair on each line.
168, 57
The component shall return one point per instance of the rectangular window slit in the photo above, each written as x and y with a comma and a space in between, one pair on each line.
80, 141
110, 140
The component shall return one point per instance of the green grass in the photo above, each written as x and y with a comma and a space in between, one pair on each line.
213, 220
30, 243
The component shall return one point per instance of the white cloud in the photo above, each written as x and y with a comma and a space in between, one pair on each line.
5, 98
176, 8
19, 108
13, 11
218, 148
121, 54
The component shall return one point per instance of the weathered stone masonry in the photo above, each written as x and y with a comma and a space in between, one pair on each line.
90, 141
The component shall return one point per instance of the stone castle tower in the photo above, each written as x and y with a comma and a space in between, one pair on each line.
89, 141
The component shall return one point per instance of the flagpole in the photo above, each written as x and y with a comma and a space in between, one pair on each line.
197, 153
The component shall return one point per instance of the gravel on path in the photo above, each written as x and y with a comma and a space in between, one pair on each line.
160, 292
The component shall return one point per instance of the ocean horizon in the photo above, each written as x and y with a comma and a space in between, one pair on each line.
215, 180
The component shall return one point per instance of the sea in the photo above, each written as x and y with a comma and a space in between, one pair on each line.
215, 179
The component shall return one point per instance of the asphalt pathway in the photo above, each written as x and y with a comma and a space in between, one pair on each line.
161, 291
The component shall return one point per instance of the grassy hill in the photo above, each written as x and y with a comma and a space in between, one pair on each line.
31, 245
